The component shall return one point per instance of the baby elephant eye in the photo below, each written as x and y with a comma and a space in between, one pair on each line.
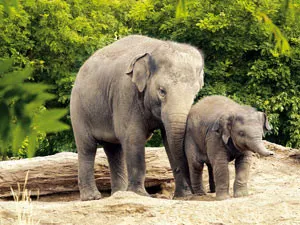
162, 92
242, 133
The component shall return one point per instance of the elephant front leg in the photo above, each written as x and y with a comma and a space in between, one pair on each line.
181, 187
134, 148
221, 173
219, 163
242, 167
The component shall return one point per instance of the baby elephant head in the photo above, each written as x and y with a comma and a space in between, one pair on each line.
246, 129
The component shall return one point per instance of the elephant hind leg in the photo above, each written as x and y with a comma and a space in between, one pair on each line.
117, 165
86, 148
86, 179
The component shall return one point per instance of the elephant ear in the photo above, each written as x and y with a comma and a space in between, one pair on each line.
139, 70
223, 126
265, 122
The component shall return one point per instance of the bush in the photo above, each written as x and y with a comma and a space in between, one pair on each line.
23, 117
246, 56
243, 57
55, 38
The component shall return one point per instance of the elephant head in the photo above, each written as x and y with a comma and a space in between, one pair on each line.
246, 129
169, 78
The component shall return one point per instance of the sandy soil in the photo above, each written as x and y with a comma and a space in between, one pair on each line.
274, 199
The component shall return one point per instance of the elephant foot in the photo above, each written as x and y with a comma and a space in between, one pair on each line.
240, 193
140, 191
181, 194
200, 193
221, 197
187, 197
90, 195
116, 189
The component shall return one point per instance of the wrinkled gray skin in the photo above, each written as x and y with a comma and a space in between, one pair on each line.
122, 94
218, 131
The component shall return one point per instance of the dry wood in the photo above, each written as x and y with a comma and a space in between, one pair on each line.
293, 153
58, 173
275, 147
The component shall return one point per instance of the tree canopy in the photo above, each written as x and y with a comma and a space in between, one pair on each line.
251, 49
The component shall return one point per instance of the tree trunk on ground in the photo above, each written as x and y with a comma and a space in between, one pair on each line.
293, 153
58, 173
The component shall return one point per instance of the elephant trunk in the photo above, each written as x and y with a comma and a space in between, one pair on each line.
260, 149
175, 126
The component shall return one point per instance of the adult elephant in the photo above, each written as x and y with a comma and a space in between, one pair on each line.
124, 92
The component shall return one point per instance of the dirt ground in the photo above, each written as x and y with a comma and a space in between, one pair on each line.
274, 198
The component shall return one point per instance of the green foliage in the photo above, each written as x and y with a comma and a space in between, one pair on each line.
55, 37
22, 117
247, 57
180, 9
155, 140
251, 50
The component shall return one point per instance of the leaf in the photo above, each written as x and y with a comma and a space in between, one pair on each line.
5, 65
181, 9
16, 77
19, 133
32, 144
48, 121
281, 43
36, 88
4, 121
37, 102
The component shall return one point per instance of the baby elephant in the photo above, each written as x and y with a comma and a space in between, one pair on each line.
218, 131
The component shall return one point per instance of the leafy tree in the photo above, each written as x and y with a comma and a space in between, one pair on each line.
251, 49
247, 57
55, 37
23, 116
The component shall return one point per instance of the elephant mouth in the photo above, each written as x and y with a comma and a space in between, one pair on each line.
237, 147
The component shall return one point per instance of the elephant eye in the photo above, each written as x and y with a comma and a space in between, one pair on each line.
241, 133
162, 92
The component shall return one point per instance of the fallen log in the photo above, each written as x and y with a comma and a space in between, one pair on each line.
58, 173
292, 152
275, 147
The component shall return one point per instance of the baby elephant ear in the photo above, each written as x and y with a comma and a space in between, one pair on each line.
139, 70
265, 122
216, 126
225, 138
225, 133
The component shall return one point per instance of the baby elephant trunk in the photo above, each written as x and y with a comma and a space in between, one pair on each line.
261, 149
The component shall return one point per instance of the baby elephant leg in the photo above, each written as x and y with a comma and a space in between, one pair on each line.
242, 167
195, 165
221, 174
196, 178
